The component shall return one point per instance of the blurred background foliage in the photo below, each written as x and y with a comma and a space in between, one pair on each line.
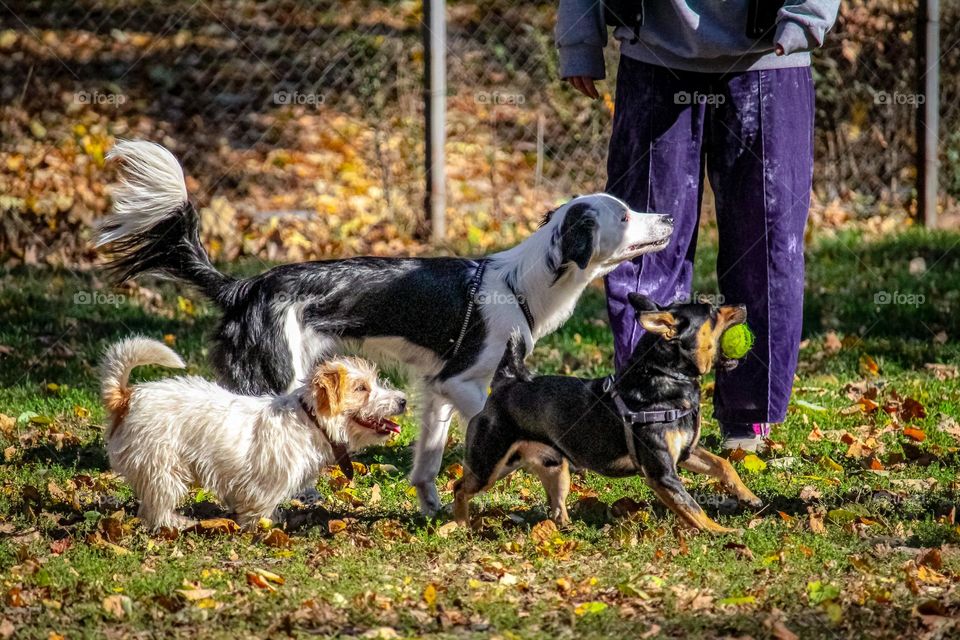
300, 124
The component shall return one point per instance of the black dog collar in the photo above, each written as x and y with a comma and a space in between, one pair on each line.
339, 450
472, 304
631, 418
524, 307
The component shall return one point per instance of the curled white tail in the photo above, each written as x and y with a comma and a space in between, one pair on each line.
122, 358
151, 188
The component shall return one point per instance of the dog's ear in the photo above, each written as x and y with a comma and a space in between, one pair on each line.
578, 231
330, 386
731, 314
662, 323
641, 303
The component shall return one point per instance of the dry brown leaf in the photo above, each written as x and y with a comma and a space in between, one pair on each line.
277, 539
544, 531
117, 606
215, 526
942, 371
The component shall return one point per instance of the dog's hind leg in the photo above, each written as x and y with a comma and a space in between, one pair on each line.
491, 454
428, 451
702, 461
554, 474
159, 490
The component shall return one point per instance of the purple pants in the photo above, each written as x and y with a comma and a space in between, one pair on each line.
752, 134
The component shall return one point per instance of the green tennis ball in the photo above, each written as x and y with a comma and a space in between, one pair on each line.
736, 341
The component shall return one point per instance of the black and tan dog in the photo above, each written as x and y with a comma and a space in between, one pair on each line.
645, 421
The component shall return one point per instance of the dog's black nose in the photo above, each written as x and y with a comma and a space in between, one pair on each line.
402, 405
668, 220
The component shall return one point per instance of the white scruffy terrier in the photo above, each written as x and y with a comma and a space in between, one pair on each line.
252, 452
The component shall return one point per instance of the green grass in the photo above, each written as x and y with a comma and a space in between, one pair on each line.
351, 570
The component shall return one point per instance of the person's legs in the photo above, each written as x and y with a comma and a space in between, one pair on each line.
760, 165
654, 165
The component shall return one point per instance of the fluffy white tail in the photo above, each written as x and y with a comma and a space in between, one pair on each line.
151, 188
121, 358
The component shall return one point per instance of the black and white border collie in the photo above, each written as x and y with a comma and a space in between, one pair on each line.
277, 325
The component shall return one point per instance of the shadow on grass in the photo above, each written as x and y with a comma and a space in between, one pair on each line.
90, 456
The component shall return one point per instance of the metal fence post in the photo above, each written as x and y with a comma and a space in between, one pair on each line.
928, 115
435, 112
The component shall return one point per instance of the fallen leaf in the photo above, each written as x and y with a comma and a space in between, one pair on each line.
277, 539
753, 464
256, 580
912, 409
590, 608
544, 531
195, 594
447, 528
942, 371
914, 434
430, 595
336, 526
816, 523
118, 606
215, 526
868, 366
831, 343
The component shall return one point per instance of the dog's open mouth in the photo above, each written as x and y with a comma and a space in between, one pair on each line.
380, 425
644, 246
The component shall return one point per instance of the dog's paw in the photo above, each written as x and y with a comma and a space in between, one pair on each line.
429, 499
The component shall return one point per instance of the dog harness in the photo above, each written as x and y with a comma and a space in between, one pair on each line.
631, 418
339, 449
472, 304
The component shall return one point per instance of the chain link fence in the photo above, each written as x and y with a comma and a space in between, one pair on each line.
300, 124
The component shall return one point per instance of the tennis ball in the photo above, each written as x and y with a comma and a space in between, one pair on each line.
736, 341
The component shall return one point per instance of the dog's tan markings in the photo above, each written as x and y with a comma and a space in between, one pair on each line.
556, 482
117, 402
660, 322
702, 461
330, 383
707, 338
691, 514
676, 440
555, 479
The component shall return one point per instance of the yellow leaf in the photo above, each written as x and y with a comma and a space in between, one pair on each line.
185, 305
868, 366
193, 595
587, 608
753, 464
430, 595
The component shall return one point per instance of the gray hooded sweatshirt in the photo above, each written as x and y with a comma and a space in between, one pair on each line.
693, 35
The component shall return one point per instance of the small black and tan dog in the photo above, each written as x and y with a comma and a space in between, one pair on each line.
644, 421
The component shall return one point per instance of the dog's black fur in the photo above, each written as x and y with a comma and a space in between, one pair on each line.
424, 300
544, 422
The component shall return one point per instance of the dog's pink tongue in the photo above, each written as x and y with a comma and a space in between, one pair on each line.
389, 426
